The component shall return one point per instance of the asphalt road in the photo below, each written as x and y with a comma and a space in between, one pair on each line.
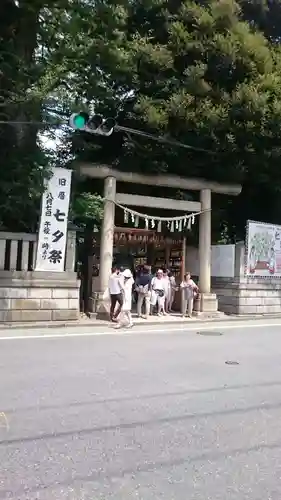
155, 416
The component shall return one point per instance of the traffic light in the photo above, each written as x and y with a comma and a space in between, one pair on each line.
78, 121
95, 124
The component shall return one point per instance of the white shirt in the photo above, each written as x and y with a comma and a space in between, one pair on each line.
114, 284
158, 284
127, 294
188, 288
173, 282
166, 284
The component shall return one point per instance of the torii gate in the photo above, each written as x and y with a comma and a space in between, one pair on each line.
111, 177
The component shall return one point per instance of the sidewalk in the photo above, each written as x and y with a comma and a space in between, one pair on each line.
95, 323
171, 319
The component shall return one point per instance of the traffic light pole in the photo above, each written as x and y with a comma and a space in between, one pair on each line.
97, 125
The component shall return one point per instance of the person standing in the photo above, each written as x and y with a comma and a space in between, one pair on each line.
115, 288
158, 292
167, 289
173, 286
125, 318
143, 289
189, 290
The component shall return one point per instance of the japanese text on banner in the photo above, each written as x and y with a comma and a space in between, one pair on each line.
53, 224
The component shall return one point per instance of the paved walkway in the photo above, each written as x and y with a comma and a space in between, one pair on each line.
171, 319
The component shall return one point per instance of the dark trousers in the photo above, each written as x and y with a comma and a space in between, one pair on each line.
114, 299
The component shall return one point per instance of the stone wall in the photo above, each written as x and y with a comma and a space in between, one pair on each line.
38, 296
248, 296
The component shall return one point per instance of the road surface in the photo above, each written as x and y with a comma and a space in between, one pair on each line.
149, 415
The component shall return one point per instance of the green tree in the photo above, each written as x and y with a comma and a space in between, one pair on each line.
22, 162
189, 70
41, 52
265, 15
194, 71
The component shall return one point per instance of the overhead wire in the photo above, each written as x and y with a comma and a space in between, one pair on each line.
163, 140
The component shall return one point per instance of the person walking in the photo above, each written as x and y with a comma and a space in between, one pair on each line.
189, 290
115, 288
158, 292
125, 318
143, 289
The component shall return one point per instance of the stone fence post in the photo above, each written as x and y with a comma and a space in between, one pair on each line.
239, 264
70, 257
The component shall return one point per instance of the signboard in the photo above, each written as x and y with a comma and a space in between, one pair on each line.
123, 235
126, 236
53, 223
263, 250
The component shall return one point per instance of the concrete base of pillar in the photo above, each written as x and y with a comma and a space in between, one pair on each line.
206, 303
100, 306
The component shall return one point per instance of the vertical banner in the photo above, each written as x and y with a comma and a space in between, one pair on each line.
53, 223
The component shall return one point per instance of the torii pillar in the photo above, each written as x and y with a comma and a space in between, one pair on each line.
107, 231
208, 300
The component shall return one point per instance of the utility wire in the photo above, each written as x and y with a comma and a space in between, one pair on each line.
164, 140
38, 124
117, 128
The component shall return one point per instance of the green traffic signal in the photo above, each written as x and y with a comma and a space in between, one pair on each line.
94, 124
79, 122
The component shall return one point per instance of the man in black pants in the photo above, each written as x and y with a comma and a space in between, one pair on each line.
115, 287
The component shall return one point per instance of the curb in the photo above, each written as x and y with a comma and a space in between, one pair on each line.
93, 324
99, 324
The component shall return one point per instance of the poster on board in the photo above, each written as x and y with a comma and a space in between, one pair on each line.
263, 250
52, 238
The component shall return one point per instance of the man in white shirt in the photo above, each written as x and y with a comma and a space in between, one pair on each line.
158, 292
115, 287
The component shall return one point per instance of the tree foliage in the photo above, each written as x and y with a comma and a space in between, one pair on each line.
21, 159
206, 73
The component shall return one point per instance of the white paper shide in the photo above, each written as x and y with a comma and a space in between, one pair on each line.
53, 224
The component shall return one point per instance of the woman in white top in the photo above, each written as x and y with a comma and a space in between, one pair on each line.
126, 315
158, 292
189, 289
167, 289
174, 288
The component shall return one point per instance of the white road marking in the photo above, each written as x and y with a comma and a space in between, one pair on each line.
159, 329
